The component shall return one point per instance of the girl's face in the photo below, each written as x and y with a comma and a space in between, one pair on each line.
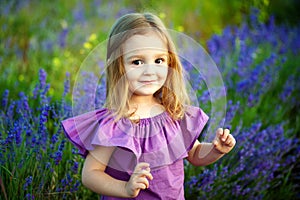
145, 60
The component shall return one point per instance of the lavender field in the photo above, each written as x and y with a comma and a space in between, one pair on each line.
259, 62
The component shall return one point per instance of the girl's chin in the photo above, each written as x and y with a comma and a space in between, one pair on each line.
146, 90
144, 93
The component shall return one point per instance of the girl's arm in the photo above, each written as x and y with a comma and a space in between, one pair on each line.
203, 154
95, 178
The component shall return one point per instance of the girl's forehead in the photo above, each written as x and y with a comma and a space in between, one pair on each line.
149, 41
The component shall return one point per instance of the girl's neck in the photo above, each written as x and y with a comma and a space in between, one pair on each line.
143, 100
145, 106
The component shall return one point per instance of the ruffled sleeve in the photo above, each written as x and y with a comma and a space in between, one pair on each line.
80, 130
86, 130
192, 125
158, 140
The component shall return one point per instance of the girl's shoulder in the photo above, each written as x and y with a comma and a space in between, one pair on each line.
193, 113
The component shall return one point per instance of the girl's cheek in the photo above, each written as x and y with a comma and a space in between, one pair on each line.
133, 73
162, 71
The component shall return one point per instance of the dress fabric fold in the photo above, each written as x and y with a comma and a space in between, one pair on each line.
158, 140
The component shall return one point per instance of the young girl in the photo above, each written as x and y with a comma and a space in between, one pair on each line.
135, 146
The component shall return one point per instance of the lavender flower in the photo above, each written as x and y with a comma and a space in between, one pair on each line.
75, 167
75, 186
11, 110
66, 84
42, 129
42, 79
27, 183
288, 88
17, 130
62, 37
54, 139
232, 112
5, 99
57, 156
78, 13
100, 98
86, 92
29, 196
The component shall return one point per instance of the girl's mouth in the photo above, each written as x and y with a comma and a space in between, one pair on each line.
148, 82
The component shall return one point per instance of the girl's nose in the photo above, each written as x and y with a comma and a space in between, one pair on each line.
149, 70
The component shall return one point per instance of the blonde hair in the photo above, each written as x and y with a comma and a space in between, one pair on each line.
173, 95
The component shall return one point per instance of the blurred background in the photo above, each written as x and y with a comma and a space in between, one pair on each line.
54, 34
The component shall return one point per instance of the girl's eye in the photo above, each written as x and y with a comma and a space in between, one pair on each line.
159, 61
137, 62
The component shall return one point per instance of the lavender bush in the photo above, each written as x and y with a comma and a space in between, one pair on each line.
260, 67
36, 162
261, 73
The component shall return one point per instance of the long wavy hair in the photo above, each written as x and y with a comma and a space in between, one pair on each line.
172, 95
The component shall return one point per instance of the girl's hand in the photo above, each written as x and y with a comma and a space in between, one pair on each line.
224, 141
139, 179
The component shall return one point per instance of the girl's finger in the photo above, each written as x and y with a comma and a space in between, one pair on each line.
141, 186
142, 166
219, 132
144, 173
224, 137
143, 170
228, 139
231, 141
149, 176
215, 142
144, 181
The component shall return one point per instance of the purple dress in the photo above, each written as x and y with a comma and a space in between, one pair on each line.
159, 141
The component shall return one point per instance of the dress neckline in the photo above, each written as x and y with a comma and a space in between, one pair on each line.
146, 120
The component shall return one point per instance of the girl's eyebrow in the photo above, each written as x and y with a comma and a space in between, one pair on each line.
142, 56
162, 55
133, 56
